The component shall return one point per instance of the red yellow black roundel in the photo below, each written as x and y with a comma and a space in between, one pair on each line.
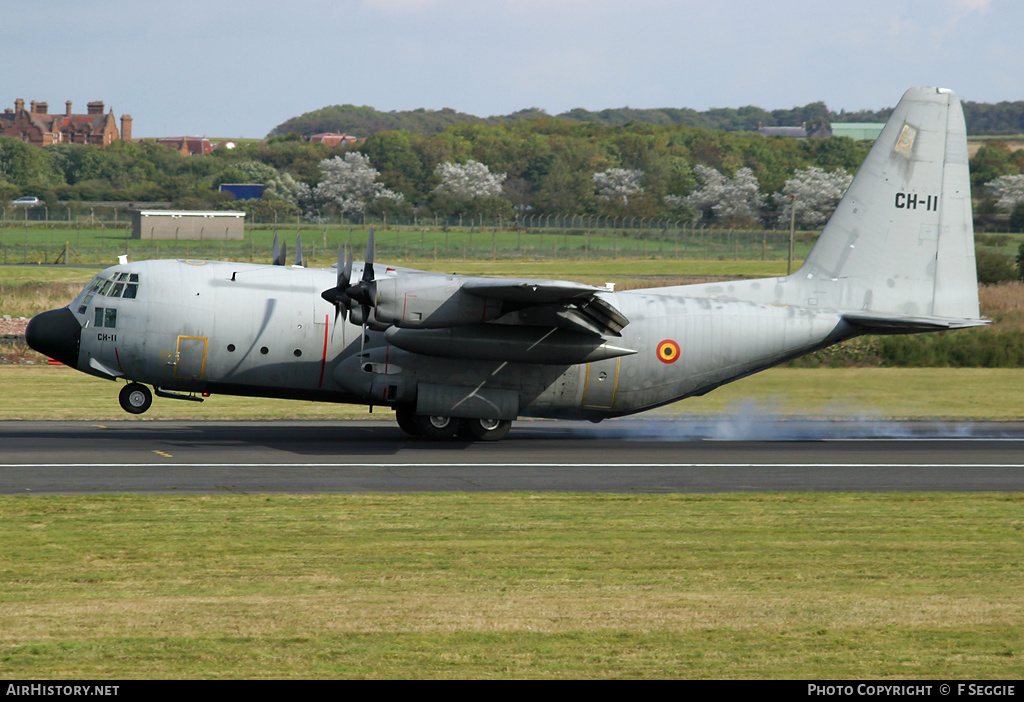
668, 351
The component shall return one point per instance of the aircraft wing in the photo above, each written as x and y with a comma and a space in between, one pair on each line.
528, 291
529, 321
571, 304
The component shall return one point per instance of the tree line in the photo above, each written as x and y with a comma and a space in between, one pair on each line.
983, 119
537, 165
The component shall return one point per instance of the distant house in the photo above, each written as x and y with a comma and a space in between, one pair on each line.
858, 130
38, 127
168, 224
332, 139
187, 146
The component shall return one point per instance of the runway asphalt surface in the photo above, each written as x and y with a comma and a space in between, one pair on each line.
621, 456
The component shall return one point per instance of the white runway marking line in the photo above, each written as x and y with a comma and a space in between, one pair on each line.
511, 465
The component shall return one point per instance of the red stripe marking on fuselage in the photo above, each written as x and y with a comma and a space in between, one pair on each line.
323, 361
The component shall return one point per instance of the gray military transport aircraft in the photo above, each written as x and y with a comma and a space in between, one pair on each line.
464, 356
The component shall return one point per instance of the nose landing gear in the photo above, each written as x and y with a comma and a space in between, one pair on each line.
135, 398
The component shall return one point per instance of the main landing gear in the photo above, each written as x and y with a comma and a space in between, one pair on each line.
448, 428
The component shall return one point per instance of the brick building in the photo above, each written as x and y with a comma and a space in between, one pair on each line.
332, 139
39, 127
187, 146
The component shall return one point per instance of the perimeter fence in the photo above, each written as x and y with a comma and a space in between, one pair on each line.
99, 235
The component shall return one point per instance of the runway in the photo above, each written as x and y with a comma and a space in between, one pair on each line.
622, 456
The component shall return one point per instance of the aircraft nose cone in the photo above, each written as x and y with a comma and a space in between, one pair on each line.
56, 334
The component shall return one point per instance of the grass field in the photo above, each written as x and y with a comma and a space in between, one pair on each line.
512, 586
794, 586
57, 392
38, 243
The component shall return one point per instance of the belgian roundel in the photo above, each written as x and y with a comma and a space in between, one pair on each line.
668, 351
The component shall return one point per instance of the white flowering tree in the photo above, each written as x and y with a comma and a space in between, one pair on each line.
470, 188
618, 185
348, 183
813, 193
721, 198
1007, 191
282, 186
468, 181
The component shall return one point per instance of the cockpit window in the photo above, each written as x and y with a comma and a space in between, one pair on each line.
117, 285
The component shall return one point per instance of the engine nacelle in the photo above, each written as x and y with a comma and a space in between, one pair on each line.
431, 302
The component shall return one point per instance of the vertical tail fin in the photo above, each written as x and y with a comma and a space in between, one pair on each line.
901, 241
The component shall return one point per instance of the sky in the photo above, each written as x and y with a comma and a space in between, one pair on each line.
227, 68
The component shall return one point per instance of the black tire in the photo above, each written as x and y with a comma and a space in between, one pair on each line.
437, 428
406, 419
135, 398
487, 429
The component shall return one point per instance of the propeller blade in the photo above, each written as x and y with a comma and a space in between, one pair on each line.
279, 252
368, 266
298, 250
365, 291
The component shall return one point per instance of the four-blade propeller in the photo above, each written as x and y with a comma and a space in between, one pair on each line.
344, 295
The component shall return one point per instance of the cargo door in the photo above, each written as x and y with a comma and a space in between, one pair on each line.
190, 358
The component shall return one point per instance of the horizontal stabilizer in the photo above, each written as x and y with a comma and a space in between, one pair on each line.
882, 324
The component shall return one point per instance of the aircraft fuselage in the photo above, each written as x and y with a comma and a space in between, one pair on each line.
247, 329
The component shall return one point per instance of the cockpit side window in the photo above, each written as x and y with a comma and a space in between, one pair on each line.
105, 317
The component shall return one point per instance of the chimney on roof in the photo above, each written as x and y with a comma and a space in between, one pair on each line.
42, 108
96, 108
19, 105
126, 127
32, 107
67, 110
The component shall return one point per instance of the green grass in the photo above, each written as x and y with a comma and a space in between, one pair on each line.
23, 243
57, 392
788, 586
512, 586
